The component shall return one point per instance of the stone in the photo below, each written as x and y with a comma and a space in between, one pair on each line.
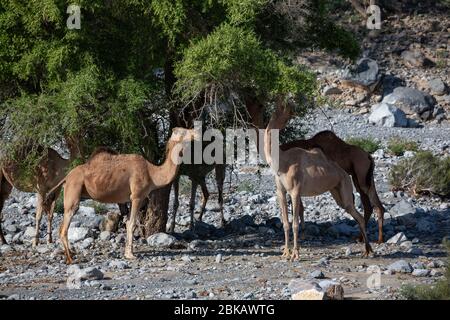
410, 101
317, 274
10, 228
400, 266
389, 84
118, 264
297, 285
105, 235
29, 233
424, 225
78, 233
110, 222
387, 115
366, 74
421, 273
219, 258
329, 91
311, 294
162, 240
86, 243
75, 273
437, 87
335, 292
397, 239
404, 212
416, 58
436, 273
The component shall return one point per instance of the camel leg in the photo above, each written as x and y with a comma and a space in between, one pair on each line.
205, 197
176, 203
192, 203
135, 206
302, 218
50, 213
367, 207
220, 178
39, 210
72, 195
296, 204
344, 198
5, 191
281, 194
373, 196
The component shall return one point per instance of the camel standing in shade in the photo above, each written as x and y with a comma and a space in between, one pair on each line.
356, 162
300, 172
50, 170
120, 178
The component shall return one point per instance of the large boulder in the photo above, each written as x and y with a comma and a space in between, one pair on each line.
400, 266
411, 102
405, 213
366, 74
386, 115
78, 233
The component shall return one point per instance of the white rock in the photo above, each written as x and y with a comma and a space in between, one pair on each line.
161, 240
78, 233
387, 115
397, 239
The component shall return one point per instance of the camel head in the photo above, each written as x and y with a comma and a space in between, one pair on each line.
180, 140
283, 112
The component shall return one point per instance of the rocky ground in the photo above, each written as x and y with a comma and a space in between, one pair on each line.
243, 260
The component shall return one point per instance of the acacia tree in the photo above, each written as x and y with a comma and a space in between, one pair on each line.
98, 86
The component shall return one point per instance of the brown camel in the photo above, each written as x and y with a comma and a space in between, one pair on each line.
197, 174
120, 178
49, 172
300, 173
356, 162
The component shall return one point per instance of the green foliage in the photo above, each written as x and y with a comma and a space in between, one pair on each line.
100, 208
369, 145
398, 146
246, 186
423, 173
59, 206
438, 291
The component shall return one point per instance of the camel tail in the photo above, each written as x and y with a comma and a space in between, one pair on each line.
369, 177
54, 192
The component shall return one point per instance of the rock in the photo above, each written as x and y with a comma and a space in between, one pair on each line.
78, 233
29, 233
105, 235
118, 264
317, 274
335, 292
416, 58
435, 273
421, 272
10, 228
329, 91
311, 294
219, 258
437, 87
86, 243
397, 239
342, 229
404, 212
411, 101
386, 115
366, 74
5, 248
424, 225
391, 82
297, 285
110, 222
161, 240
415, 251
400, 266
76, 273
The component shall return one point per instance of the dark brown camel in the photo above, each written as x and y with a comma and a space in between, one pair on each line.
356, 162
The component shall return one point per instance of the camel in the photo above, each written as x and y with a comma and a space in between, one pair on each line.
108, 177
197, 174
356, 162
301, 172
49, 172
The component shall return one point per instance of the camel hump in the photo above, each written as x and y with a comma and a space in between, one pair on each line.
102, 151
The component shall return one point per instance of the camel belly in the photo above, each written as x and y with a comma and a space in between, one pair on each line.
106, 190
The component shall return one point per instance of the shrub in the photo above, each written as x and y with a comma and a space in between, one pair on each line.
438, 291
369, 145
100, 208
398, 146
59, 206
423, 173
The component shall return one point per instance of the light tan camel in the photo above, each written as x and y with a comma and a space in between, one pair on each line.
49, 172
120, 178
356, 162
300, 173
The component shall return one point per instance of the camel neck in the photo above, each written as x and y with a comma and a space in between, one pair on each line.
165, 173
271, 154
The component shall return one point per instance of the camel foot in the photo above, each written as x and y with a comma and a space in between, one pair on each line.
69, 260
295, 255
129, 255
35, 242
286, 253
380, 240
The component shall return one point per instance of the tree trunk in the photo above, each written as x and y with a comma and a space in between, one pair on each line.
156, 216
157, 211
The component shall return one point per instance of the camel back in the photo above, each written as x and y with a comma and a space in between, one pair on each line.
102, 150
